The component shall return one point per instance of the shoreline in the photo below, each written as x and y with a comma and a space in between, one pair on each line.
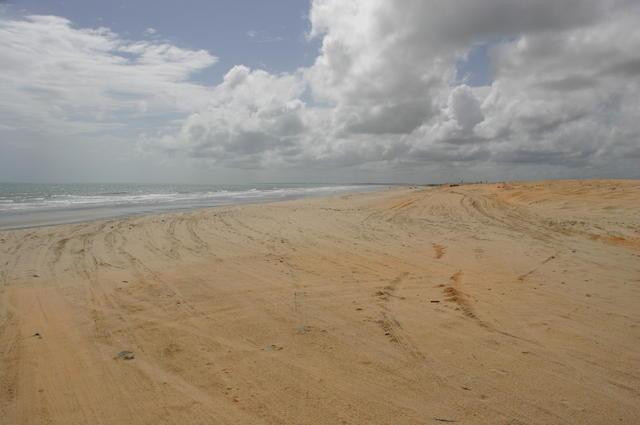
42, 218
498, 303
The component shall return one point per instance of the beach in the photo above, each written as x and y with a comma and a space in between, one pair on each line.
507, 303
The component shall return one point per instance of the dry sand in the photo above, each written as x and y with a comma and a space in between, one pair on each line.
479, 304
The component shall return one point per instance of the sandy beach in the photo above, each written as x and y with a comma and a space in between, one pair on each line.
488, 304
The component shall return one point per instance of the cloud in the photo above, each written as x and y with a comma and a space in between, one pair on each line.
383, 88
59, 79
382, 92
252, 116
263, 37
465, 108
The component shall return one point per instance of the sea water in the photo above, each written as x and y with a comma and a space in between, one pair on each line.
27, 204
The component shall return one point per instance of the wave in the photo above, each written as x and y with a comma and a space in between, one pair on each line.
176, 198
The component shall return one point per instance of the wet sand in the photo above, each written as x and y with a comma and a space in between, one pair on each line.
480, 304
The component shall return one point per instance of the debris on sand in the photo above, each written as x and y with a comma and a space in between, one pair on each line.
125, 355
303, 329
37, 335
272, 347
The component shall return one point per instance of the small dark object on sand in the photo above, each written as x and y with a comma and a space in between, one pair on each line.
37, 334
435, 301
303, 329
273, 347
36, 275
126, 355
444, 420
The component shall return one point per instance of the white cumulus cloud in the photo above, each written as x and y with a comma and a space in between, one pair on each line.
58, 78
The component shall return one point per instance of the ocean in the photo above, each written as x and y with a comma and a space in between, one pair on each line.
28, 205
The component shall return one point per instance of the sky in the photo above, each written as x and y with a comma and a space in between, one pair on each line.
418, 91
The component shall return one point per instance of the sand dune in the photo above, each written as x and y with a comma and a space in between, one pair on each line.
478, 304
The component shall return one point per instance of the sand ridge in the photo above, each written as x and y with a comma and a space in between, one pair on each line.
481, 304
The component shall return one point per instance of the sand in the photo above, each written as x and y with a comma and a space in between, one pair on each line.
478, 304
